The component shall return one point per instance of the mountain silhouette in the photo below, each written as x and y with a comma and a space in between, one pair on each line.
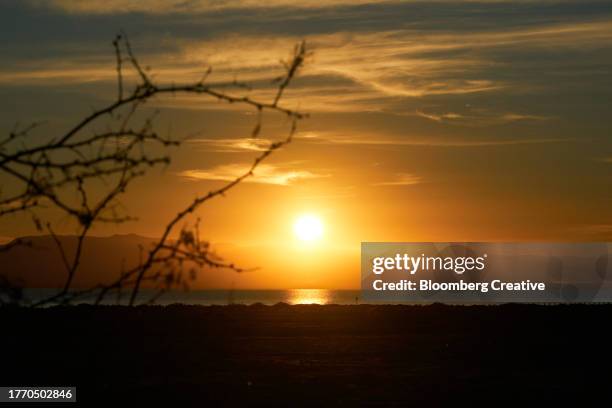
39, 264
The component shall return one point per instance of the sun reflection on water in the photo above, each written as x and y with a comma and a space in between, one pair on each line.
309, 296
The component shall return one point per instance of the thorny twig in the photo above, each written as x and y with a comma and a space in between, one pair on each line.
53, 173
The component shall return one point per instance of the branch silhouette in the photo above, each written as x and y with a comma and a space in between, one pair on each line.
58, 174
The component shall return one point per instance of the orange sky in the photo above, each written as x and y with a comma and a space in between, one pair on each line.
437, 121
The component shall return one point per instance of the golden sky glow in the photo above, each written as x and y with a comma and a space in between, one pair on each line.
430, 121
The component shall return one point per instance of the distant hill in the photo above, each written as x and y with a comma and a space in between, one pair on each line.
40, 265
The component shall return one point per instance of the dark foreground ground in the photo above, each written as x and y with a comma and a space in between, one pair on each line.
313, 355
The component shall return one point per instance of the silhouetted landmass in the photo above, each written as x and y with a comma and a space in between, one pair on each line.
102, 259
311, 355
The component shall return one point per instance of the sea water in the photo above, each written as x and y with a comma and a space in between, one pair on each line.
221, 297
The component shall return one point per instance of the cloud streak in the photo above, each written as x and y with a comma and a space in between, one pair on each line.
479, 117
352, 71
401, 179
458, 142
236, 145
202, 6
264, 174
182, 6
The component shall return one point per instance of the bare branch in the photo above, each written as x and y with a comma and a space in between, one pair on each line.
58, 172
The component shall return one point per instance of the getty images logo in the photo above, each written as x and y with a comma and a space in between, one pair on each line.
412, 264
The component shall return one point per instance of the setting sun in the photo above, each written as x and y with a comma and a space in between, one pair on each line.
308, 228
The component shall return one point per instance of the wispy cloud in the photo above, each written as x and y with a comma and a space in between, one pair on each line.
236, 145
339, 139
182, 6
439, 117
401, 179
350, 71
479, 117
281, 175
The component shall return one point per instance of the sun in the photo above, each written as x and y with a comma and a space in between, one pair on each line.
308, 228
